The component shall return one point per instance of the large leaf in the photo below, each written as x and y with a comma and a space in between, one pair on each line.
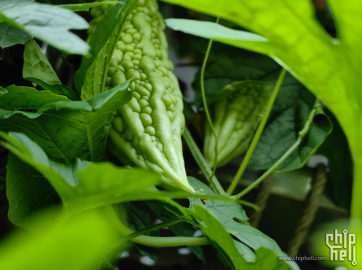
328, 67
234, 219
46, 22
229, 251
234, 254
69, 130
289, 114
84, 185
92, 74
11, 36
26, 98
79, 245
37, 69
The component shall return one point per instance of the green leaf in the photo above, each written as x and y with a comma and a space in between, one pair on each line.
228, 251
234, 219
139, 219
227, 65
92, 74
340, 164
48, 23
37, 69
84, 185
86, 6
289, 114
69, 130
26, 98
80, 244
328, 67
11, 36
27, 192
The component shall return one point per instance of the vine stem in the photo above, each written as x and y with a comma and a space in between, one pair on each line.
301, 135
257, 135
169, 223
204, 166
205, 103
246, 203
152, 241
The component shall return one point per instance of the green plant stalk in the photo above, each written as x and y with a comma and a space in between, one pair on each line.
169, 223
301, 135
204, 100
246, 203
258, 133
152, 241
214, 183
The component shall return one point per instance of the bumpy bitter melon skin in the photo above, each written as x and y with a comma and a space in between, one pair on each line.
234, 119
147, 131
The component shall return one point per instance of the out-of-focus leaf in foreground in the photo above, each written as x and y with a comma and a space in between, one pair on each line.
78, 245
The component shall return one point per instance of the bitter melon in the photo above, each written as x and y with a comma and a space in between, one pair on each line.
147, 131
234, 119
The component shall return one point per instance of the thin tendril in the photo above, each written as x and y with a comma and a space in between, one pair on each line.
204, 101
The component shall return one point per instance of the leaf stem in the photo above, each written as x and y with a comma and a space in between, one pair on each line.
205, 103
246, 203
152, 241
301, 135
258, 133
169, 223
215, 185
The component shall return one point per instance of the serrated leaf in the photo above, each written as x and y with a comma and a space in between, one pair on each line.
26, 98
68, 130
290, 113
91, 76
37, 69
81, 185
11, 36
228, 252
48, 23
234, 219
84, 185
